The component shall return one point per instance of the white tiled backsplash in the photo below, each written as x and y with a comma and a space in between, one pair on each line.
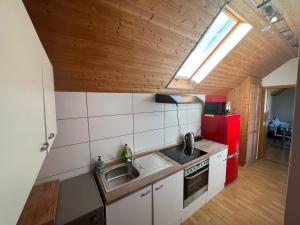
92, 124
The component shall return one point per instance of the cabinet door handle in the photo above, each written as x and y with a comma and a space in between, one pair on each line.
144, 194
156, 189
51, 136
45, 147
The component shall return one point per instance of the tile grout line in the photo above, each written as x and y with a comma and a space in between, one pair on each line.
133, 139
59, 174
123, 114
88, 122
123, 135
164, 124
63, 146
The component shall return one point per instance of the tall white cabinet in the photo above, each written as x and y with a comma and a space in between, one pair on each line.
27, 114
49, 100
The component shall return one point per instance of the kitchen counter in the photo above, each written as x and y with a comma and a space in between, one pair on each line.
109, 197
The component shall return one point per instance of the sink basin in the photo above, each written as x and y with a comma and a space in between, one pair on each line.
119, 175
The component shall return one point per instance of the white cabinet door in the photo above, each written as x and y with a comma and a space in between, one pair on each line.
217, 173
168, 200
136, 209
22, 130
49, 99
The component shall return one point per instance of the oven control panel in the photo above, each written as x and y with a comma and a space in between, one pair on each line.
195, 167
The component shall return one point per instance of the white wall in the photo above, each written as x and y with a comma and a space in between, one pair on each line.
286, 74
92, 124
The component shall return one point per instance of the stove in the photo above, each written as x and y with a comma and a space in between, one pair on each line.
177, 153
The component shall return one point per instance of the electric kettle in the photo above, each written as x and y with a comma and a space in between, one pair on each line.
189, 143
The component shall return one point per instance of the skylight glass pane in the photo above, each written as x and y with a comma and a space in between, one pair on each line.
223, 49
221, 26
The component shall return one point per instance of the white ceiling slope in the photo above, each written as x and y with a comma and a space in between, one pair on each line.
286, 74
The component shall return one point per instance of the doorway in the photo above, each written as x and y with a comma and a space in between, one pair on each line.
279, 110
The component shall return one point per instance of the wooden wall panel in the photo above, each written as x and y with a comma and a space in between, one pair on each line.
245, 100
263, 128
253, 120
137, 46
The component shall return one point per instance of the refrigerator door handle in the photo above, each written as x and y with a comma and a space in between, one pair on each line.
233, 155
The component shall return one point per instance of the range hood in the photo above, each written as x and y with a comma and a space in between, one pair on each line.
177, 99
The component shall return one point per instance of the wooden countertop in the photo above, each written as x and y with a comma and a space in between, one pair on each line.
109, 197
40, 208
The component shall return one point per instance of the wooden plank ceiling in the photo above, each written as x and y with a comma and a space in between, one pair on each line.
138, 45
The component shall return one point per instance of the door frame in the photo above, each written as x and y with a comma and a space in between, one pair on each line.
263, 117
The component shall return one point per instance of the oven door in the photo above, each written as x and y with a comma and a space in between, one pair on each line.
195, 185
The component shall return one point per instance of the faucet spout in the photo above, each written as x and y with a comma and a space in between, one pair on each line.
129, 156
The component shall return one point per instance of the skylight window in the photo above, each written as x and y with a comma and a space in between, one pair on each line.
213, 36
220, 38
232, 40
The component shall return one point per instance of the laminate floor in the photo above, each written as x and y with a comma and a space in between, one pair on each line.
257, 197
275, 153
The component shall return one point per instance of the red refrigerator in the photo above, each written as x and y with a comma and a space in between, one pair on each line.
225, 129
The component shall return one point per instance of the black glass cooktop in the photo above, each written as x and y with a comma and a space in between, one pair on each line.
177, 153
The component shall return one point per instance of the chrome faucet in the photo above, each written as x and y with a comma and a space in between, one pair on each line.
129, 156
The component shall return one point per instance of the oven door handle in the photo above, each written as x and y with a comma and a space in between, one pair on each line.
192, 177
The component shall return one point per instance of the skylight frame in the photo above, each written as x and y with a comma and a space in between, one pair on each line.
231, 40
211, 49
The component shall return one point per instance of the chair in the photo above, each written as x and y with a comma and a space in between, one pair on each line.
281, 133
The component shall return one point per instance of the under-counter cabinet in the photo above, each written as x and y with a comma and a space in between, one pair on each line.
217, 173
135, 209
26, 84
161, 203
168, 200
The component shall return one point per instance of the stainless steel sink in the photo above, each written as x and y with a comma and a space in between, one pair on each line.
121, 174
114, 177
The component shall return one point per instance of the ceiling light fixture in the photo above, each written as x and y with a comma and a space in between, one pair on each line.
226, 46
284, 30
274, 19
264, 2
274, 16
295, 44
265, 29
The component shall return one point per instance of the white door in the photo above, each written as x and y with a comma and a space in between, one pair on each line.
217, 173
49, 99
136, 209
22, 129
168, 200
